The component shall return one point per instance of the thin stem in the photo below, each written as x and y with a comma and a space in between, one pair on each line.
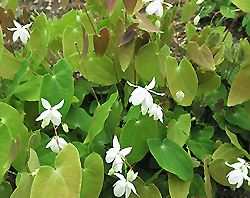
57, 142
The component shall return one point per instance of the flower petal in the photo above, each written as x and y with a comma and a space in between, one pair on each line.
151, 8
159, 11
126, 151
51, 142
55, 120
18, 25
45, 103
27, 25
15, 36
132, 85
43, 115
59, 105
120, 176
116, 143
119, 188
151, 85
24, 35
132, 187
128, 191
62, 142
137, 96
56, 113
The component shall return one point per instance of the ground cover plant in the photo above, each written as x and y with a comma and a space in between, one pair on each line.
124, 98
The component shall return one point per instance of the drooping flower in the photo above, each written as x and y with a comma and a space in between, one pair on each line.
180, 95
199, 2
56, 144
20, 31
156, 111
156, 7
142, 96
117, 155
239, 174
50, 114
124, 186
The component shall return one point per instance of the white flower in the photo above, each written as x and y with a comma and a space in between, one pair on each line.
116, 155
197, 19
199, 2
56, 144
142, 96
156, 111
20, 31
124, 185
50, 114
180, 95
239, 173
156, 7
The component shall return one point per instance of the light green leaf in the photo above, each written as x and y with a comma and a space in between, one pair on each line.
171, 157
140, 130
92, 176
24, 186
59, 86
64, 181
147, 63
188, 10
100, 70
5, 189
13, 122
98, 120
201, 55
243, 5
33, 162
179, 131
239, 91
9, 65
181, 78
177, 187
39, 40
149, 191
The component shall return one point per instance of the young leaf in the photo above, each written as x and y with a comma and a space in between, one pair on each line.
177, 187
92, 176
64, 180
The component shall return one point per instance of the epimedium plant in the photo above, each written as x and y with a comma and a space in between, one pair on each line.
124, 98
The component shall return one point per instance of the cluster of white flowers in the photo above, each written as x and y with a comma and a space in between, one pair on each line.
117, 156
51, 114
239, 174
142, 96
156, 7
20, 32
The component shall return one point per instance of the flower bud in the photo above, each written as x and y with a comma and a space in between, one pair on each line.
197, 19
158, 24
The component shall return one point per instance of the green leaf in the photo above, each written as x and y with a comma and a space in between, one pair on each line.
92, 176
177, 187
171, 157
100, 70
1, 43
197, 187
39, 40
64, 181
227, 152
239, 91
9, 65
179, 131
201, 55
13, 122
18, 78
141, 130
243, 5
78, 118
126, 53
5, 189
207, 184
235, 142
33, 162
147, 63
98, 120
24, 186
145, 191
59, 86
26, 92
181, 78
188, 10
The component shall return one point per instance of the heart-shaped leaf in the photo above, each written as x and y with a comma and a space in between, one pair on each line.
181, 78
110, 4
243, 5
140, 130
171, 157
177, 187
201, 55
92, 176
130, 5
64, 180
145, 23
